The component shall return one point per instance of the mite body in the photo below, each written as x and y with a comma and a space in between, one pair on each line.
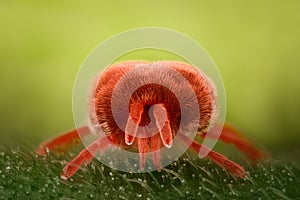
143, 105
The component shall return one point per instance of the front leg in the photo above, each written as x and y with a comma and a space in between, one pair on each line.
85, 156
216, 157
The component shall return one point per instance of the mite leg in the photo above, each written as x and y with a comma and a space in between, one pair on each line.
60, 143
230, 135
134, 119
85, 157
155, 144
216, 157
143, 146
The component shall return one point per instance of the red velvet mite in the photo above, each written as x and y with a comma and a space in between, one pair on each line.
150, 102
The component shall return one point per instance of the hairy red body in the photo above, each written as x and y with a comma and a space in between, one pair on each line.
148, 95
152, 102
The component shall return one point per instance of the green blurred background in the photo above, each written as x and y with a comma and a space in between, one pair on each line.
255, 45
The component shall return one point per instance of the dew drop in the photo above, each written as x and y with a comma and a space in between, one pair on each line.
283, 190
